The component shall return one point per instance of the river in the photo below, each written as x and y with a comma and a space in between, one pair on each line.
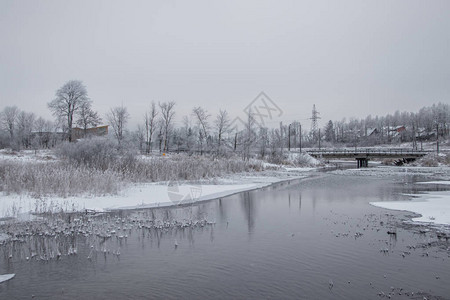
314, 238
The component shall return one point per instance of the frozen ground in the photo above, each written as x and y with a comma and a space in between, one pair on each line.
146, 195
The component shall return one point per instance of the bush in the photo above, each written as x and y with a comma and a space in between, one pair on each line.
62, 179
98, 153
434, 160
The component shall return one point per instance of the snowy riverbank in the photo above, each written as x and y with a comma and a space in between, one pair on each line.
147, 195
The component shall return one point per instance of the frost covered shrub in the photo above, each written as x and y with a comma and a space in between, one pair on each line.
434, 160
98, 153
184, 167
306, 160
55, 178
388, 162
428, 161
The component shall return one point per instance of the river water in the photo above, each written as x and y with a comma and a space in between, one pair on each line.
315, 238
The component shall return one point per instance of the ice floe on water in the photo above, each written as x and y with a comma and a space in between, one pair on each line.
6, 277
435, 182
434, 207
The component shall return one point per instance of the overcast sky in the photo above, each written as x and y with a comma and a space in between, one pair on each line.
350, 58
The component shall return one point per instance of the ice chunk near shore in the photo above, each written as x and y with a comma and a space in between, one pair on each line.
6, 277
434, 207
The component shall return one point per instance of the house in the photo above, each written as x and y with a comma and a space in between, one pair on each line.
79, 133
372, 132
399, 129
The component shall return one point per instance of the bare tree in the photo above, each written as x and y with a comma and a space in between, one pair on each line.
222, 124
139, 135
9, 118
167, 114
69, 98
150, 126
87, 116
188, 133
118, 118
249, 135
201, 116
25, 126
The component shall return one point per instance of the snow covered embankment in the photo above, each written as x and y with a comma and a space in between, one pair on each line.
145, 195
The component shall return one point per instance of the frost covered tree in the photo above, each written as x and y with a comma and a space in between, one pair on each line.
25, 126
188, 134
8, 118
201, 116
87, 117
329, 132
222, 124
69, 99
150, 120
167, 114
248, 135
118, 119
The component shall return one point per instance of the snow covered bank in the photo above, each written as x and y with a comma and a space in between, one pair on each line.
145, 195
434, 207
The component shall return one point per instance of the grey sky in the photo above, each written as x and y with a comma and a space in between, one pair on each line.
350, 58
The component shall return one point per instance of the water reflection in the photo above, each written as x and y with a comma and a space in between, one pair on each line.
249, 210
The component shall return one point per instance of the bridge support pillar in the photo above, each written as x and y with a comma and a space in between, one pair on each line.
362, 162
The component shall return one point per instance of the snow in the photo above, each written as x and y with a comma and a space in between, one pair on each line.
6, 277
145, 195
27, 155
3, 237
434, 207
435, 182
441, 173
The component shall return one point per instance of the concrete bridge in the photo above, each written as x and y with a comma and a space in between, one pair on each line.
362, 156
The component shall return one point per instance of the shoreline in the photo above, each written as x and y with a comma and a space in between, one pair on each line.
147, 195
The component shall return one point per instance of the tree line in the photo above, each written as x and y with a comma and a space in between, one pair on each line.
201, 132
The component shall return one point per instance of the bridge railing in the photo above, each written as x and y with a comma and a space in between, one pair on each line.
391, 151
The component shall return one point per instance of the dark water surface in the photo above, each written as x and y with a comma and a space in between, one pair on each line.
291, 240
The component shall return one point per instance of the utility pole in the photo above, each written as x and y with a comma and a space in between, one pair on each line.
319, 138
437, 138
289, 137
300, 138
